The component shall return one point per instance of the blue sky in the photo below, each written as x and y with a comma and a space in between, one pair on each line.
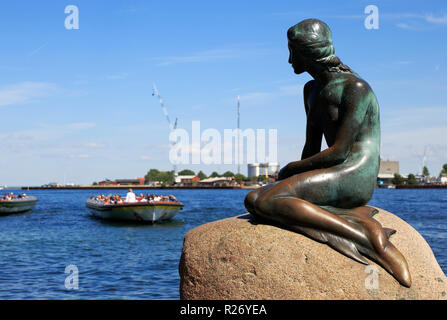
77, 105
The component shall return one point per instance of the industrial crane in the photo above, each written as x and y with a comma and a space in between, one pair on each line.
172, 127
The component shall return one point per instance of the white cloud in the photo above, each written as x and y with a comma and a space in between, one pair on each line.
80, 125
203, 56
234, 52
32, 53
403, 26
405, 135
25, 92
262, 98
94, 145
117, 76
436, 20
291, 90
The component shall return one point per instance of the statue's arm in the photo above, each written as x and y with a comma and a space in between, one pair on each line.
351, 115
314, 134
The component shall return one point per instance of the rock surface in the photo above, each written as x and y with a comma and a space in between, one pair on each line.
238, 258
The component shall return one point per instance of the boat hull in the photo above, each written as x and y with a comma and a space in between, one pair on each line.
138, 212
17, 205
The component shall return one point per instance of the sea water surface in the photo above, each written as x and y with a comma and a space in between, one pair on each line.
129, 261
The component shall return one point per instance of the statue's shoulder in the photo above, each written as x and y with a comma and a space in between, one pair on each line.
355, 83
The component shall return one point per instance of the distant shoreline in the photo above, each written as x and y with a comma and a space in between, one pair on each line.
139, 187
136, 187
424, 186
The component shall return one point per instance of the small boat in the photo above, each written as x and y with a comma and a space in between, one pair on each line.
17, 205
135, 211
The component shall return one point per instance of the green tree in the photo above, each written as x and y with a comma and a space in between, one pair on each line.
397, 180
201, 175
412, 179
425, 172
214, 174
166, 177
240, 177
444, 168
228, 174
152, 175
95, 183
187, 172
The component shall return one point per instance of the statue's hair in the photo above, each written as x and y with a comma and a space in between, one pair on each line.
313, 39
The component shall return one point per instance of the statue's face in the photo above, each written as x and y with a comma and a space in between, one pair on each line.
296, 60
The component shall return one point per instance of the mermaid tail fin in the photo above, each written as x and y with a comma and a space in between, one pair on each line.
389, 232
381, 250
340, 244
392, 260
363, 211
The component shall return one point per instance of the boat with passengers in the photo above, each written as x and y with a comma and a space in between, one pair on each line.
148, 208
10, 204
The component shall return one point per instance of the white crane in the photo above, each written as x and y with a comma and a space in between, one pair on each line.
172, 127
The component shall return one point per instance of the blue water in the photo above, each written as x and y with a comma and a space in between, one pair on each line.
128, 261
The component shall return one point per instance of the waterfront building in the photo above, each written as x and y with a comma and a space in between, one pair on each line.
186, 180
387, 170
122, 182
217, 182
270, 169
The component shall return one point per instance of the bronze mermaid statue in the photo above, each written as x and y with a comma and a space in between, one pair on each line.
324, 195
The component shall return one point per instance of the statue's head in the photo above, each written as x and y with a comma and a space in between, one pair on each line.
310, 41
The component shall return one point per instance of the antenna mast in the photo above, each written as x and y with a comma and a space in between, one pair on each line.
424, 158
238, 134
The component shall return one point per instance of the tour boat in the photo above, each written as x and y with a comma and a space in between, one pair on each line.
17, 205
135, 211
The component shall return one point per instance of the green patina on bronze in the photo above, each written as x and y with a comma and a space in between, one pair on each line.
324, 194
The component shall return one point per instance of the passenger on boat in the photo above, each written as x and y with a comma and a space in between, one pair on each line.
130, 197
116, 199
8, 197
142, 198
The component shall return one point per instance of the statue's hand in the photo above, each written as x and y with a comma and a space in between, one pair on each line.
284, 173
291, 169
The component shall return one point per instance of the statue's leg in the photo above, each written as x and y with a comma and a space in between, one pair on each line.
348, 231
253, 195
